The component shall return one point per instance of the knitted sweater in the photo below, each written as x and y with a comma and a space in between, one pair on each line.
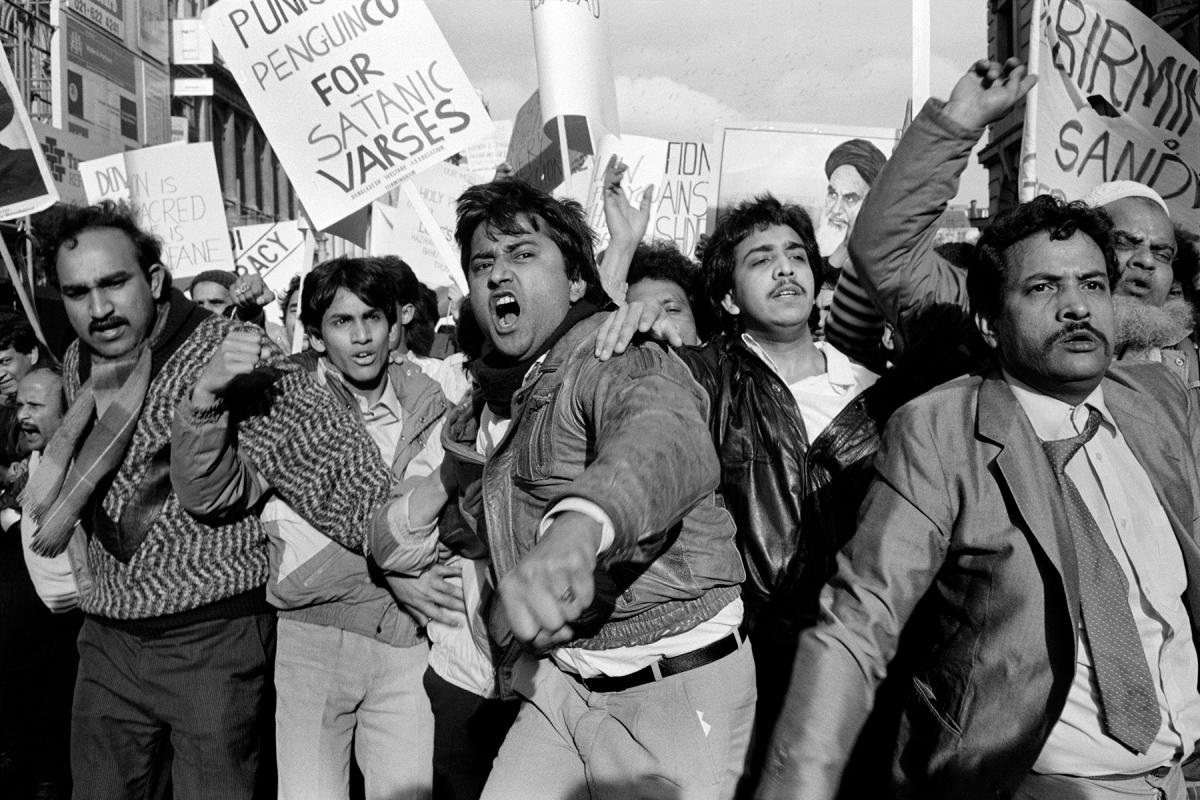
299, 438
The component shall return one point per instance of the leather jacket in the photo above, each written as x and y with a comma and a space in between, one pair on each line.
794, 502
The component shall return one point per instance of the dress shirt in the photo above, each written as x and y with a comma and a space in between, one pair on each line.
1121, 499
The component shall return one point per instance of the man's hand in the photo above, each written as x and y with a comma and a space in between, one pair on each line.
430, 596
8, 389
626, 224
987, 92
250, 292
615, 333
239, 354
553, 584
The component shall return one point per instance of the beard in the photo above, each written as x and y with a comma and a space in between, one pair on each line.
1141, 326
831, 234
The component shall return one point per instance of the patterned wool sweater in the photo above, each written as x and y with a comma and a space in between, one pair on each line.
305, 444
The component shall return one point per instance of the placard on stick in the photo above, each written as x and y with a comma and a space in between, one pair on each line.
351, 115
175, 193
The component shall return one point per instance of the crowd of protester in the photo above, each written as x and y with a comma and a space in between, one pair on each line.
900, 521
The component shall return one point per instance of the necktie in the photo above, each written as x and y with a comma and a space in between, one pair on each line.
1129, 706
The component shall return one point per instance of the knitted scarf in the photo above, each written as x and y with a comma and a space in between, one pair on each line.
500, 376
95, 432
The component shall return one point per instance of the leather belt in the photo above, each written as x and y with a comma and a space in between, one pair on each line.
664, 667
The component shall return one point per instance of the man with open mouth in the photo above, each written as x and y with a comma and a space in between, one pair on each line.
618, 572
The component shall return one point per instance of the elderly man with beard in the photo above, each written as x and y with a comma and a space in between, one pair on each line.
1151, 324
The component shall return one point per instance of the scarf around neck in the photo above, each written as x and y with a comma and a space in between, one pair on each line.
500, 376
96, 431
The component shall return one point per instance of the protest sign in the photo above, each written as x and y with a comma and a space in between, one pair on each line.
645, 159
532, 155
681, 174
420, 228
681, 201
275, 251
354, 98
174, 191
484, 157
575, 78
25, 183
1117, 99
787, 160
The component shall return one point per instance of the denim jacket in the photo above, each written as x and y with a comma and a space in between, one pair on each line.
631, 436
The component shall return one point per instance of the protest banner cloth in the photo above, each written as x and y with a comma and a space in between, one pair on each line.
25, 182
1117, 98
785, 159
354, 98
174, 190
420, 228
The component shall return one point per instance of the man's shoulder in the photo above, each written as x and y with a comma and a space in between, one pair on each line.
945, 410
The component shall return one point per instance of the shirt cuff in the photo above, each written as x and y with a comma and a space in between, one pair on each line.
588, 509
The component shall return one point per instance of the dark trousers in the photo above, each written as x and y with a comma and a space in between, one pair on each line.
467, 732
199, 688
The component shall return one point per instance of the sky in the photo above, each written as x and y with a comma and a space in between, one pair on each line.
682, 67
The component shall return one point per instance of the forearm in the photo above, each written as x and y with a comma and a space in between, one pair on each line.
892, 245
654, 455
209, 477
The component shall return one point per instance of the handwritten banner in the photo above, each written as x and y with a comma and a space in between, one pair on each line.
355, 98
174, 190
1118, 99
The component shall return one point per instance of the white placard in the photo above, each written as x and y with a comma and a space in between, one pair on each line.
175, 192
351, 116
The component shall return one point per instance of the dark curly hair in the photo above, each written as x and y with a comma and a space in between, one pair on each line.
743, 220
662, 261
60, 227
366, 278
513, 207
987, 274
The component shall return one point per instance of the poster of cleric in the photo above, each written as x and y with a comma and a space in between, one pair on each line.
354, 97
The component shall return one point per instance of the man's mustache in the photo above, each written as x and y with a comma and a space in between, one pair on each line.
105, 324
1075, 329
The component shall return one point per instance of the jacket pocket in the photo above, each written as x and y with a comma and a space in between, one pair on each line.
535, 442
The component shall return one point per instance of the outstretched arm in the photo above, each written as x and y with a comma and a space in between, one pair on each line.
918, 292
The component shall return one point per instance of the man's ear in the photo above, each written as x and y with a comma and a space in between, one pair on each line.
34, 356
407, 312
158, 275
578, 289
316, 341
729, 304
986, 330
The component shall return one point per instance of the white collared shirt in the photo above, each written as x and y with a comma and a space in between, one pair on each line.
821, 398
1121, 499
383, 419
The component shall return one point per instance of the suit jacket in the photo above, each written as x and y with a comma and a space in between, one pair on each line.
964, 546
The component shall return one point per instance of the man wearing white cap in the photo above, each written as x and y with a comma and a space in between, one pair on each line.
1151, 325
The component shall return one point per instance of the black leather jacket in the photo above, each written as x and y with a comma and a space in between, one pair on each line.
794, 502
